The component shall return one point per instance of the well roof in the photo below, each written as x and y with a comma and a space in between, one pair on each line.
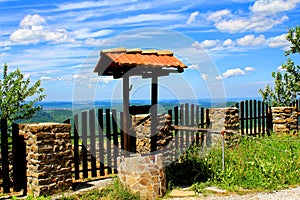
117, 62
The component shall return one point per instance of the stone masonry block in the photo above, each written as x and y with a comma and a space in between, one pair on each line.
49, 157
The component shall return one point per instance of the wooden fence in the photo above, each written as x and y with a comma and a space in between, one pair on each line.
189, 115
297, 105
255, 117
13, 159
98, 138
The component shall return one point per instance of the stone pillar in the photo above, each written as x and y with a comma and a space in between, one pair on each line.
224, 119
49, 157
144, 174
284, 119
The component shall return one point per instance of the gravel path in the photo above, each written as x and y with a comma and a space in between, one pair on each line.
287, 194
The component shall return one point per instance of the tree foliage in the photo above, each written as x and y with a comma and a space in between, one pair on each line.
15, 91
286, 83
293, 37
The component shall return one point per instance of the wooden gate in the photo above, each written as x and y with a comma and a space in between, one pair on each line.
13, 159
98, 139
255, 117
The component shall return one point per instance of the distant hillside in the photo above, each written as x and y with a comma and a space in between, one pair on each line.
226, 104
56, 111
57, 115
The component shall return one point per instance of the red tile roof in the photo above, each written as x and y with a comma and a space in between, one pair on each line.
117, 62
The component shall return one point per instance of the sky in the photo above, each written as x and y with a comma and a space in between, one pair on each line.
231, 47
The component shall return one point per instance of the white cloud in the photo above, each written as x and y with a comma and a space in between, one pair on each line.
87, 33
91, 4
219, 77
217, 16
251, 40
246, 41
228, 42
148, 19
192, 17
143, 18
5, 44
210, 43
94, 42
268, 7
80, 77
104, 80
236, 72
249, 69
46, 78
194, 66
204, 76
278, 41
263, 15
26, 76
197, 45
280, 69
233, 72
32, 31
66, 78
257, 24
32, 20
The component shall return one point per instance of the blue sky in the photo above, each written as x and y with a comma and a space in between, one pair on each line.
231, 46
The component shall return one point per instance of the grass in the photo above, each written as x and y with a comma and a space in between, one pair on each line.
254, 164
114, 191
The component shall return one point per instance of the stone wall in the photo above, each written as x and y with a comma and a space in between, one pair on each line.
284, 119
142, 127
224, 119
144, 174
49, 157
143, 132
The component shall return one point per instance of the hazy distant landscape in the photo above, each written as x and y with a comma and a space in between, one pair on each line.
59, 111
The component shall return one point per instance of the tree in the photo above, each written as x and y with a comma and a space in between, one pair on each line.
293, 37
286, 83
15, 90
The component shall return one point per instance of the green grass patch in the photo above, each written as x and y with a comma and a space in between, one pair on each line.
257, 164
114, 191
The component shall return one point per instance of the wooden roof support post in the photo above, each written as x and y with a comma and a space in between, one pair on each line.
154, 106
126, 118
